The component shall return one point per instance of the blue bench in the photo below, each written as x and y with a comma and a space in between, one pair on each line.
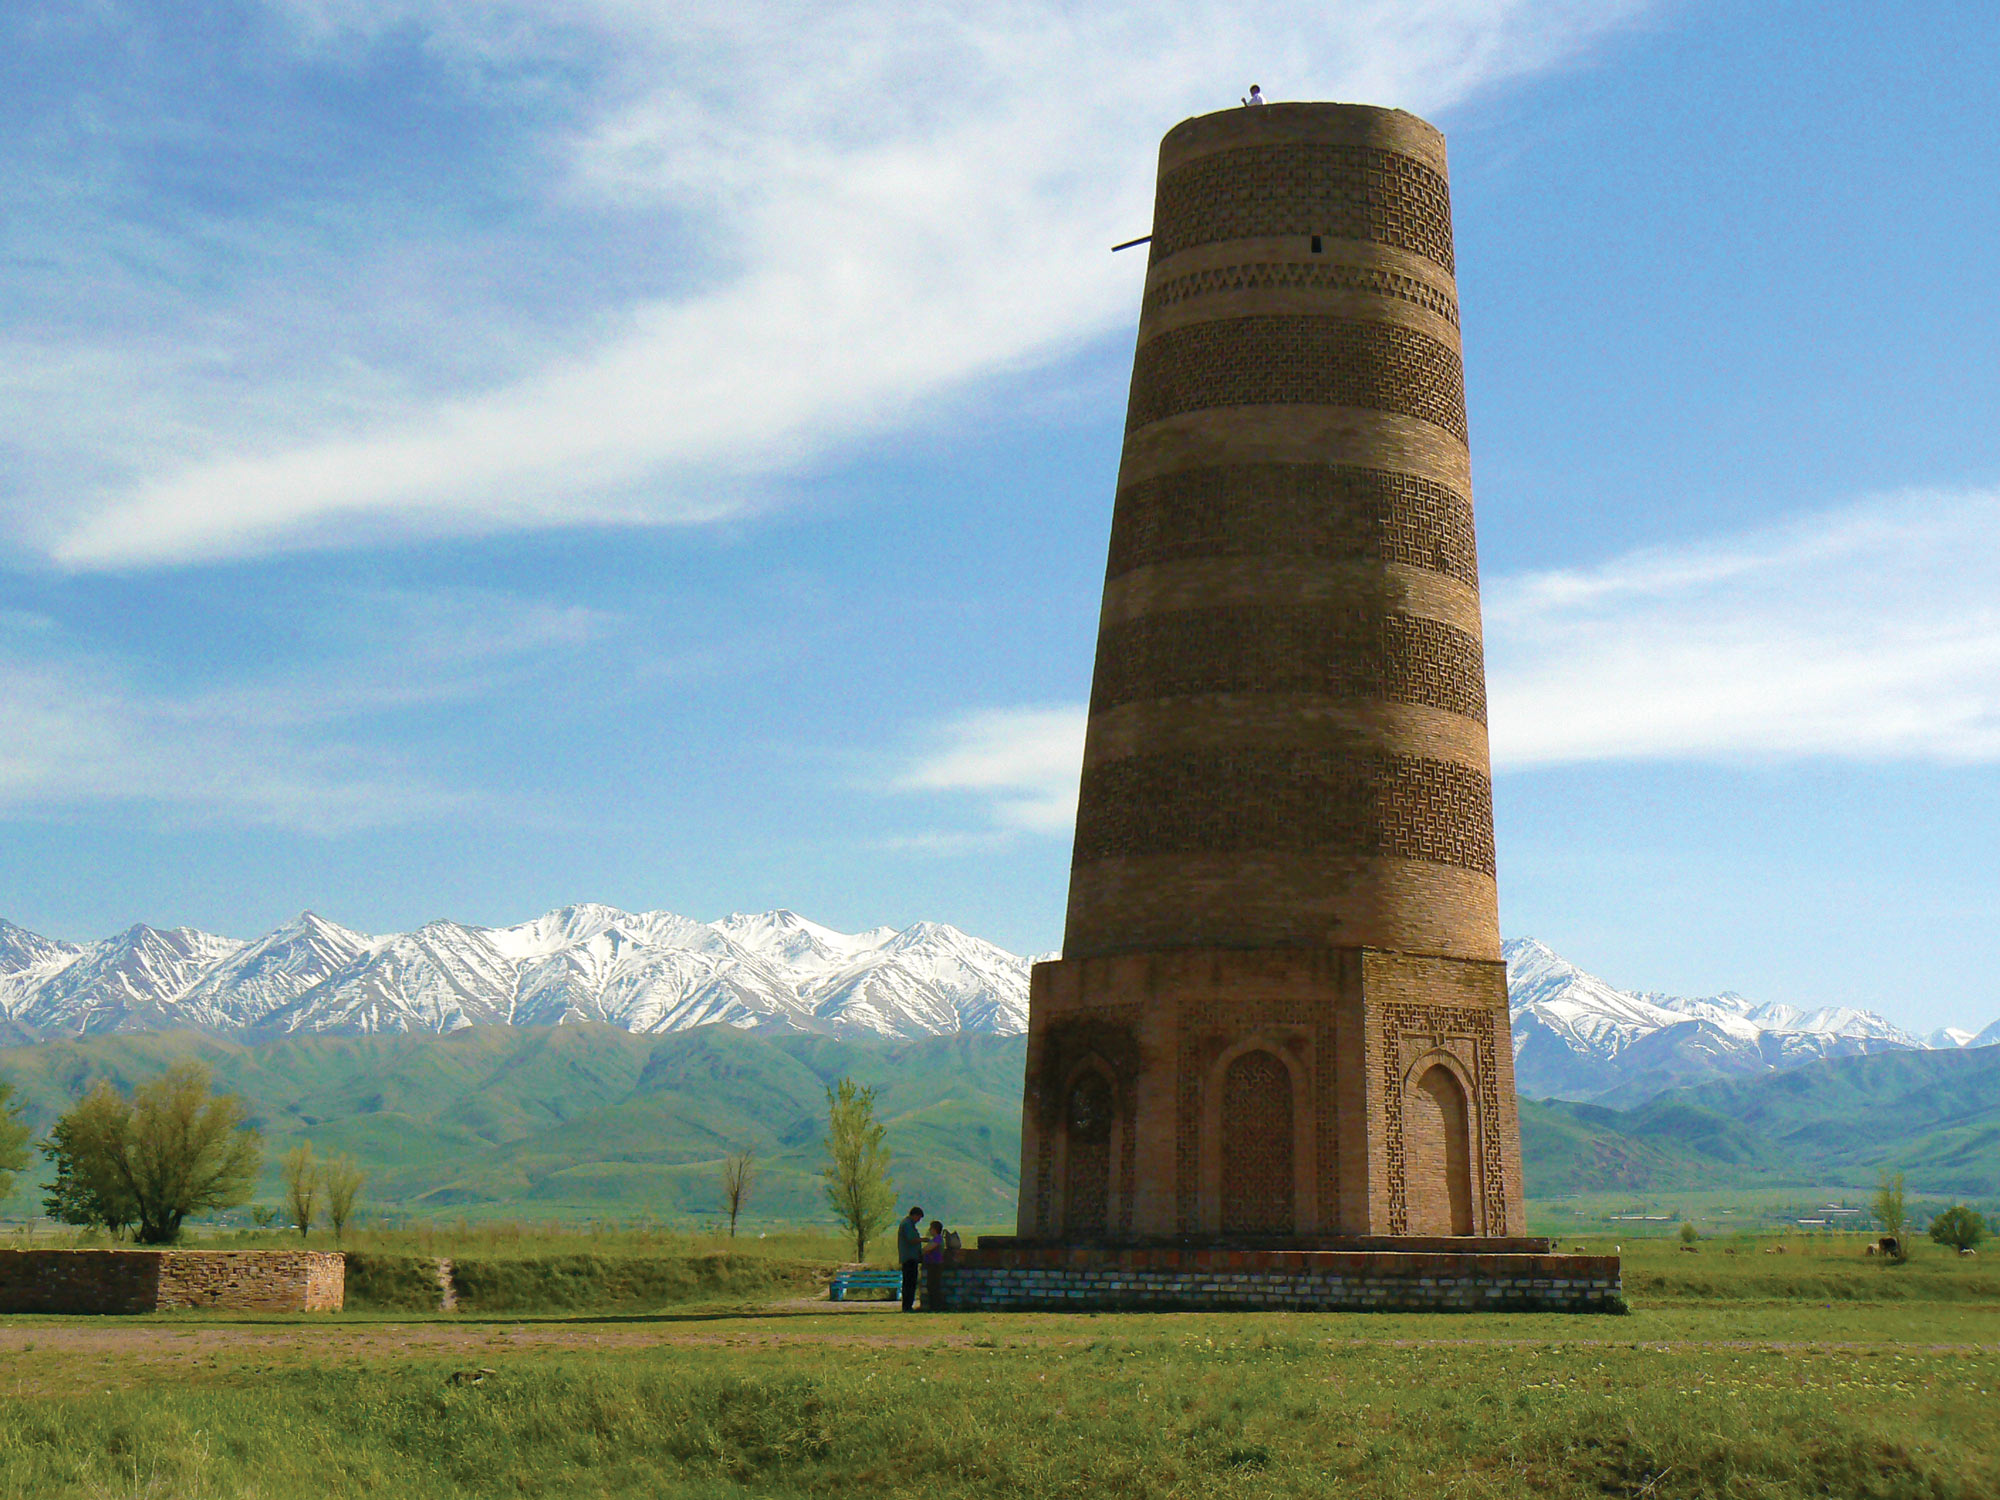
863, 1281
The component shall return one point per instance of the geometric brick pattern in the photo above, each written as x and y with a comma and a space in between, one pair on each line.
1298, 359
1406, 1029
1087, 1193
1257, 1187
1334, 512
1286, 276
1304, 188
1337, 650
1087, 1049
1360, 803
1206, 1031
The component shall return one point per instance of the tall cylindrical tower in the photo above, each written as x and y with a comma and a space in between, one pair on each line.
1288, 719
1280, 1009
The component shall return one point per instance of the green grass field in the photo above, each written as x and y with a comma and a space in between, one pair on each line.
1814, 1372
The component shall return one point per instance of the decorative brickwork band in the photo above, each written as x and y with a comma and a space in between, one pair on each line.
1341, 651
1332, 276
1305, 188
1335, 512
1298, 361
1356, 803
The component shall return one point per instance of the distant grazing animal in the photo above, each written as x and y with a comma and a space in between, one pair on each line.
1968, 1250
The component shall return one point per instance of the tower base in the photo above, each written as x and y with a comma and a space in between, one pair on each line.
1260, 1094
1499, 1275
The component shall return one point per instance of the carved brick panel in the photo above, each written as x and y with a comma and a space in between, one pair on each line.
1407, 1032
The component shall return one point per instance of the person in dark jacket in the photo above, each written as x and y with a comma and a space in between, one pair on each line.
910, 1251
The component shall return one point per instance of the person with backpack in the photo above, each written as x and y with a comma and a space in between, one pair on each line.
933, 1266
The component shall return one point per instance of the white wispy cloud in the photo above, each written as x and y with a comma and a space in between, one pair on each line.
1866, 633
875, 207
1018, 768
81, 727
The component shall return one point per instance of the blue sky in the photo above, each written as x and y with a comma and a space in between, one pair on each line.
455, 462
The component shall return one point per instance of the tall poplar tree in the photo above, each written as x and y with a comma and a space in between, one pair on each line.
857, 1164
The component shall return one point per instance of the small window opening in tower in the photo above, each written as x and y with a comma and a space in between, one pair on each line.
1316, 249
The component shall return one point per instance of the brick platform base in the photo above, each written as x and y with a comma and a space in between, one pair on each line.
137, 1281
1012, 1277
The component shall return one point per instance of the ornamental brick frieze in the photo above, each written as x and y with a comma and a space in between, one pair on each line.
1298, 361
1346, 802
1330, 511
1334, 190
1340, 651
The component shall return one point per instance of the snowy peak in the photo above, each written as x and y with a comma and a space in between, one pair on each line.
260, 977
125, 983
22, 950
789, 939
27, 961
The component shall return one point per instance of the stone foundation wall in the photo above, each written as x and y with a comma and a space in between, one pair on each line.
138, 1281
1277, 1280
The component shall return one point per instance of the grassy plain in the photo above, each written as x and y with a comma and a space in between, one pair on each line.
1814, 1372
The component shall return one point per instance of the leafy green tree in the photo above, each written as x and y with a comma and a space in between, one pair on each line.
1892, 1215
14, 1136
1959, 1226
342, 1180
857, 1166
300, 1173
1689, 1234
86, 1145
173, 1149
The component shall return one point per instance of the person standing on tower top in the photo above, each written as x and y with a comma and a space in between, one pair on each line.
1256, 95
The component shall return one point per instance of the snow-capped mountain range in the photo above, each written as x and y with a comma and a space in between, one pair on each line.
644, 971
1577, 1037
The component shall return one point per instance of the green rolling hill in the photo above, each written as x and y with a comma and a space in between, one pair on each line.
589, 1121
583, 1121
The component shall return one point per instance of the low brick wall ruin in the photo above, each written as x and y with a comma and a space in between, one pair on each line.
138, 1281
1057, 1280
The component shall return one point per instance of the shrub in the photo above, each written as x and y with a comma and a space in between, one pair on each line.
1959, 1226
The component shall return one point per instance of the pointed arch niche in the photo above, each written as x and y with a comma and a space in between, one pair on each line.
1089, 1121
1257, 1156
1437, 1149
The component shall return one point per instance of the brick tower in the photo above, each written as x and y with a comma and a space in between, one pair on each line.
1280, 1015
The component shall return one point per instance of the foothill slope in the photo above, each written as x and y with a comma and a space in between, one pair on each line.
589, 1120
